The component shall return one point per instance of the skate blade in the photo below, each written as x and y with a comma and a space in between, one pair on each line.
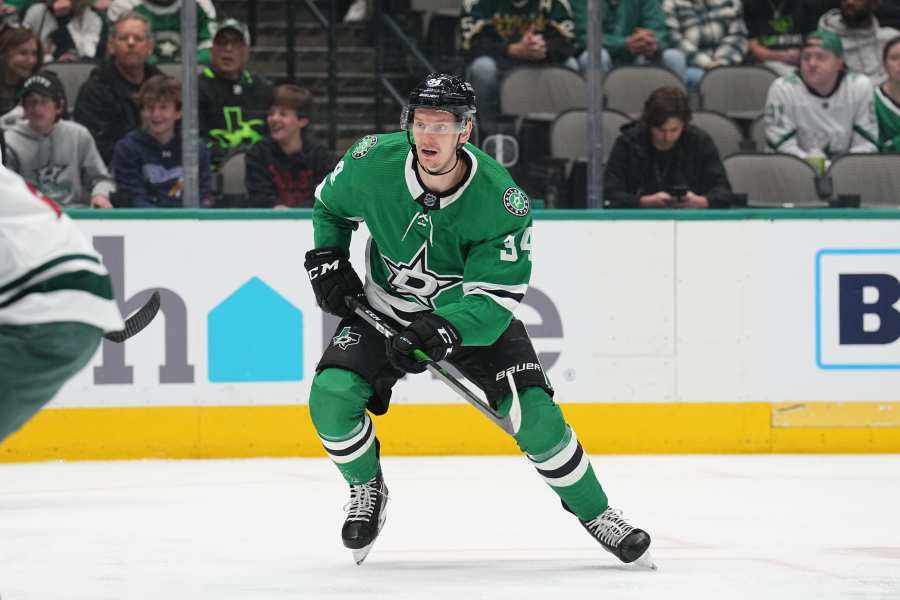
360, 555
646, 562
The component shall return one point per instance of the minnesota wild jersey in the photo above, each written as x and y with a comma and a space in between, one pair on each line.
464, 254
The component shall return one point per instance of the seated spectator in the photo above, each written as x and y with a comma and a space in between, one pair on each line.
147, 162
105, 103
634, 32
21, 57
887, 100
499, 35
284, 169
862, 38
662, 161
164, 17
232, 101
711, 33
823, 110
55, 155
70, 30
776, 33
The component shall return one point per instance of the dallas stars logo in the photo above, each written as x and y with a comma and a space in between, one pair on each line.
417, 280
345, 338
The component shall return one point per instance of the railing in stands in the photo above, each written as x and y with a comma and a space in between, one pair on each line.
384, 22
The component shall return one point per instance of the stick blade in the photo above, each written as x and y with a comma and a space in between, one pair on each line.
136, 322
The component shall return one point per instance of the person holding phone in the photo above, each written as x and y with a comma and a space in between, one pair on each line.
662, 161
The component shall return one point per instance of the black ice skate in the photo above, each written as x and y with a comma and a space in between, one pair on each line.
628, 543
365, 516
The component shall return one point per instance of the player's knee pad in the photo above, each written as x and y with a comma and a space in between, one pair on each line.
541, 425
337, 402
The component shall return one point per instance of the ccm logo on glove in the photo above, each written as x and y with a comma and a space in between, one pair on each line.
333, 279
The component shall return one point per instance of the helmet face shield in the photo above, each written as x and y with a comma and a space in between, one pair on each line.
408, 122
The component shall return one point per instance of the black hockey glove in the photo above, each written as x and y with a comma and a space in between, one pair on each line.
332, 277
433, 335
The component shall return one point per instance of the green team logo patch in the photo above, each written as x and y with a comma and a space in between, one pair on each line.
516, 201
363, 146
345, 339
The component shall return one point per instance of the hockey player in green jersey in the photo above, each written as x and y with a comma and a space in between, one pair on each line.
449, 260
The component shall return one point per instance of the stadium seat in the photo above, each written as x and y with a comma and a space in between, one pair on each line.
174, 69
72, 75
758, 134
773, 180
737, 91
724, 132
626, 88
233, 173
875, 178
541, 92
568, 133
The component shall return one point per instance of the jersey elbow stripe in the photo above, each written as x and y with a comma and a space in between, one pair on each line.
507, 296
350, 449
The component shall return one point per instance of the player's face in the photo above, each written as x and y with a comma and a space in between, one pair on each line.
892, 63
160, 117
819, 66
666, 135
436, 134
229, 54
284, 124
41, 112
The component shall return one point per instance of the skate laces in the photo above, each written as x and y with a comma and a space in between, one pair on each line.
609, 527
362, 500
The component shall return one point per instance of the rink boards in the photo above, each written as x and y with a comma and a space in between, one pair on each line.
740, 331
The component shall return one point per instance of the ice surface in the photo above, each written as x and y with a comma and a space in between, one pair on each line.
729, 527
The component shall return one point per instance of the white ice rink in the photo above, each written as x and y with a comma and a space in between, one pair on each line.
724, 527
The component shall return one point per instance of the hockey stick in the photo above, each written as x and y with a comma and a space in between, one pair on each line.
375, 320
136, 322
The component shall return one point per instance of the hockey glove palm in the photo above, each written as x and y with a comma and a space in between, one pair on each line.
433, 335
332, 278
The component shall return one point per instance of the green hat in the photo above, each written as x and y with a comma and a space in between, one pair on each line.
826, 39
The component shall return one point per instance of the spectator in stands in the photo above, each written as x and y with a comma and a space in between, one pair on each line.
498, 35
887, 100
823, 109
776, 33
662, 161
105, 103
147, 162
165, 23
232, 101
711, 33
55, 155
70, 30
634, 32
283, 170
21, 57
862, 37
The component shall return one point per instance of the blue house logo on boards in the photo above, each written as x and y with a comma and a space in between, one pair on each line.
857, 315
255, 335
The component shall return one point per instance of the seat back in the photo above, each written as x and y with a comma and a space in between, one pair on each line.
72, 75
874, 177
626, 88
725, 133
547, 90
773, 180
737, 91
568, 133
233, 171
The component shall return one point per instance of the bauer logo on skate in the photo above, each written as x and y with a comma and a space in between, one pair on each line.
857, 320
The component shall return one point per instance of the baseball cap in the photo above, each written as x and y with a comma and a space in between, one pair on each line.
827, 40
237, 26
44, 83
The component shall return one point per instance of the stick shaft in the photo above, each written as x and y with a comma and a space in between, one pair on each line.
375, 320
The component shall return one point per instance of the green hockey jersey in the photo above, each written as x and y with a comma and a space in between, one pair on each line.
464, 254
888, 113
165, 21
